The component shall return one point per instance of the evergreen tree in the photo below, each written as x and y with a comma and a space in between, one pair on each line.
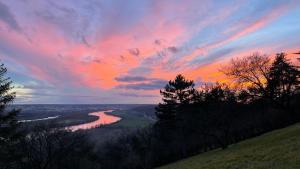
8, 121
284, 80
175, 94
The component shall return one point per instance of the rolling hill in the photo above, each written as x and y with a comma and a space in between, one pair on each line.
279, 149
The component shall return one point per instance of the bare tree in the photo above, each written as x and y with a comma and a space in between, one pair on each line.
47, 148
250, 72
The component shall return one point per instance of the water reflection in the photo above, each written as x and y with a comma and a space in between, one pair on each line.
42, 119
103, 119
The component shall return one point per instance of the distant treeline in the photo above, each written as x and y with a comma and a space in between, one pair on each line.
263, 95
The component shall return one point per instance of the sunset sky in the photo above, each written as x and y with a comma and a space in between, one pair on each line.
124, 51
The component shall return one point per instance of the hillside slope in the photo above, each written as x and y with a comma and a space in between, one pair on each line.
279, 149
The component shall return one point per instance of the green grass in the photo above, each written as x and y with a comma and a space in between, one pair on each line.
130, 120
279, 149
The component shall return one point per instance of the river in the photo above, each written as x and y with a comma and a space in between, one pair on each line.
42, 119
103, 119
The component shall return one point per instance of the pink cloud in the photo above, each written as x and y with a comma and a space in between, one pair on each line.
50, 54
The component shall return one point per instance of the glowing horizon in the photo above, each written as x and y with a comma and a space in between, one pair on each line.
125, 51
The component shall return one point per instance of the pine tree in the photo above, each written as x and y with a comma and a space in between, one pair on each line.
176, 93
8, 121
284, 79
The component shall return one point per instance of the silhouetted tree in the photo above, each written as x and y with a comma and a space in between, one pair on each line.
250, 72
211, 117
283, 80
219, 93
8, 122
176, 93
218, 115
46, 147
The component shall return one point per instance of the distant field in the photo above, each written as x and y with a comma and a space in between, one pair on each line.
279, 149
78, 114
133, 117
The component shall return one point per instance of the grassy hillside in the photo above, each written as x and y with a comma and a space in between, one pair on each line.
279, 149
